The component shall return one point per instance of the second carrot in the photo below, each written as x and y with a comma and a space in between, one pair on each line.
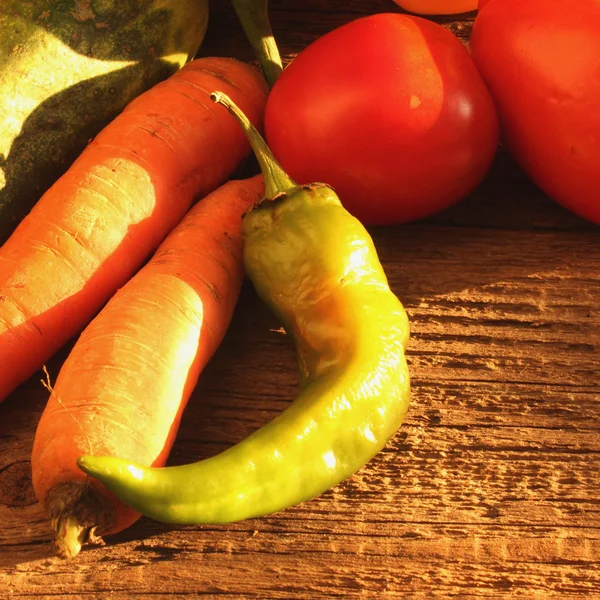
127, 380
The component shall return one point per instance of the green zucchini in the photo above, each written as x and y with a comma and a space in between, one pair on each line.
67, 68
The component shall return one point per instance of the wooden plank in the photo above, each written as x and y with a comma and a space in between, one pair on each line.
494, 474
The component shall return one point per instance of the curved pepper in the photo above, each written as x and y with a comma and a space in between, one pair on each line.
316, 267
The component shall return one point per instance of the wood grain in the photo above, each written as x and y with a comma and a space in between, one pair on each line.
491, 488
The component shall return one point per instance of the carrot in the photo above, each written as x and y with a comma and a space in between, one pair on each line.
96, 225
125, 383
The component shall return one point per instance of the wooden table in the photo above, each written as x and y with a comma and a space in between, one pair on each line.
490, 489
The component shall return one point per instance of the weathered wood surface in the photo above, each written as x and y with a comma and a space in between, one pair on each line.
490, 489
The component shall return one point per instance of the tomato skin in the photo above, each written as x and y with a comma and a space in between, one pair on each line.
437, 7
541, 61
391, 112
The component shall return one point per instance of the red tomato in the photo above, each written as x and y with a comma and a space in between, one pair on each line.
541, 61
437, 7
391, 112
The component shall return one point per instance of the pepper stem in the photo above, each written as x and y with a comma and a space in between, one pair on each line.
254, 17
277, 181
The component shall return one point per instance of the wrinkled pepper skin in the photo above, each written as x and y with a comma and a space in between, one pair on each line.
317, 269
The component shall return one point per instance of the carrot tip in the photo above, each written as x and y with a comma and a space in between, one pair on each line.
77, 510
70, 536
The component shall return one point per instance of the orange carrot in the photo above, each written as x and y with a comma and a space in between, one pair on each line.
126, 381
94, 228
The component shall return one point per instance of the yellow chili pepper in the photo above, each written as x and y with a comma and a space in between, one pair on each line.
316, 267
